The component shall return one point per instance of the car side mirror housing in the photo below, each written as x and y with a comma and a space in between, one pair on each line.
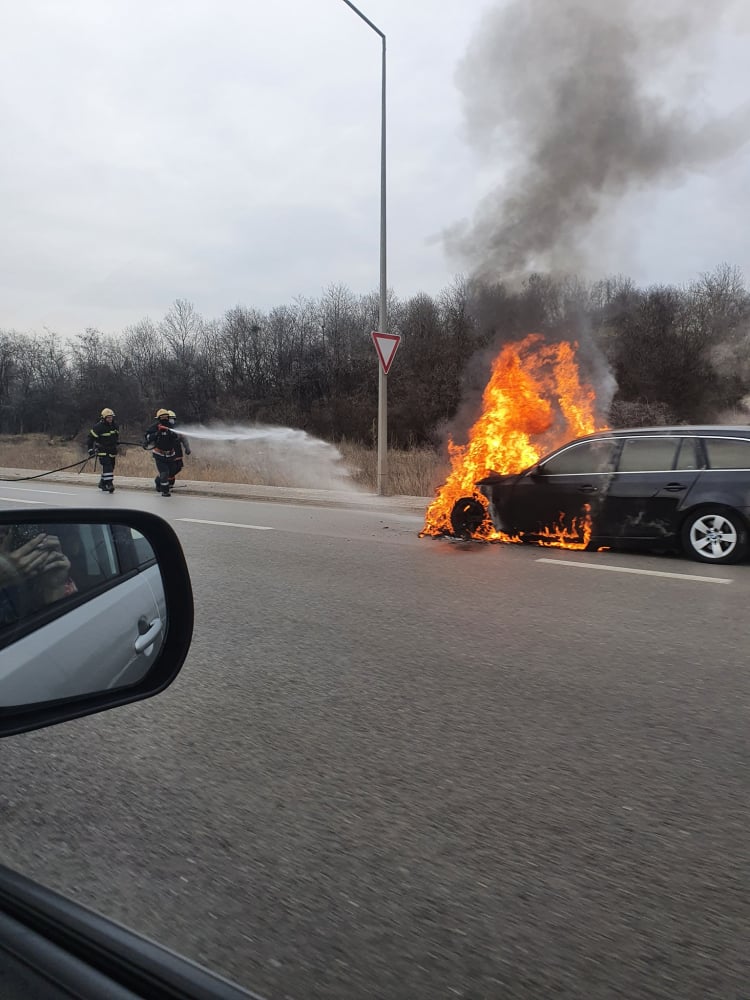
96, 611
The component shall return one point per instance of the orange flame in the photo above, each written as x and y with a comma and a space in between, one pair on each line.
533, 402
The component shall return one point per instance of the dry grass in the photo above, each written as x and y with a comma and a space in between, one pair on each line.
416, 472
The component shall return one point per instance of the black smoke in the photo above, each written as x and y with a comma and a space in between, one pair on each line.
584, 102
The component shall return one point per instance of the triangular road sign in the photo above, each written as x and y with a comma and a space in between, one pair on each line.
386, 345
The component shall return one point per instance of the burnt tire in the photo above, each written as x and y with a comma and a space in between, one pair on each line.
715, 535
467, 516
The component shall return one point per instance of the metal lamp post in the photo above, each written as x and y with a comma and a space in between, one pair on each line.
383, 311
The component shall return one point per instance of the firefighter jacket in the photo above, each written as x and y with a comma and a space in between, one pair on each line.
104, 438
162, 439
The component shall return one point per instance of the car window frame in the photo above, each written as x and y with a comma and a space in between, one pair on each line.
680, 439
540, 468
722, 437
44, 616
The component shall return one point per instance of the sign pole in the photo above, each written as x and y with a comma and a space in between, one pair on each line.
383, 311
383, 488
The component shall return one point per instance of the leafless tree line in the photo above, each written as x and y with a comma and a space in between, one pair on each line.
678, 354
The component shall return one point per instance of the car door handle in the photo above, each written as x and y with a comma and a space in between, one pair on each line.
588, 489
148, 638
674, 487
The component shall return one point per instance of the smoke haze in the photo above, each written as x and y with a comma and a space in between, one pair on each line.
585, 101
275, 456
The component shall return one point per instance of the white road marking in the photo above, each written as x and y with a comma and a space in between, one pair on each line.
37, 503
639, 572
225, 524
28, 489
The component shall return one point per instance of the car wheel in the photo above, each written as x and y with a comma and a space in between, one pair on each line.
715, 535
466, 517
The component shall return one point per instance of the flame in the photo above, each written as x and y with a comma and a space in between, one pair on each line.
533, 402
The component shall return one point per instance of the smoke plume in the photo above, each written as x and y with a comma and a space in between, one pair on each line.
585, 101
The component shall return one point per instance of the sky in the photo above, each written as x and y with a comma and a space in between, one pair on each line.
229, 153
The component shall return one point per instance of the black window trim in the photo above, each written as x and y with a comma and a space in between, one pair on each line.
100, 948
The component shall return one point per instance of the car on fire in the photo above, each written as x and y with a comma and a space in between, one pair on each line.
666, 488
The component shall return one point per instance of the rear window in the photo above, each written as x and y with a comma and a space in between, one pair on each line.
728, 453
644, 454
582, 459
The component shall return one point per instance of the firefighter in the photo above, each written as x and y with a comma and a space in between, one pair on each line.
181, 445
104, 437
162, 441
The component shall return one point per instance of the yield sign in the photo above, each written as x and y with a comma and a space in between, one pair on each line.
385, 345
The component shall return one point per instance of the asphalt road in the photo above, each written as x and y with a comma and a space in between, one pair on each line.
395, 768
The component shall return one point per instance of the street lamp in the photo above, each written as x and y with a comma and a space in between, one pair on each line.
383, 311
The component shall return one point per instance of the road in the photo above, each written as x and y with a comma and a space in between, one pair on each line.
413, 769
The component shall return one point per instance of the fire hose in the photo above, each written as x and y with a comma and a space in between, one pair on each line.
83, 462
23, 479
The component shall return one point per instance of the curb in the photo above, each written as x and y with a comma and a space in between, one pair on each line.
240, 491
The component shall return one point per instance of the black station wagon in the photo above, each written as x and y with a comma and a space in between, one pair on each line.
661, 488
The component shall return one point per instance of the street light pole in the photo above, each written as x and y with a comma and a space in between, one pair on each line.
383, 311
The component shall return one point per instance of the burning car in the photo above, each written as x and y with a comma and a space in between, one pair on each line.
669, 487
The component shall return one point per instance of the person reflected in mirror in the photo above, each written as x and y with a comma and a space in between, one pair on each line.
103, 442
162, 440
34, 571
182, 446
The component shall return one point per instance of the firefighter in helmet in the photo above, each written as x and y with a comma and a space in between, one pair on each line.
103, 441
162, 440
182, 446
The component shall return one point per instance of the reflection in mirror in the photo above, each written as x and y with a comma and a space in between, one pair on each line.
82, 610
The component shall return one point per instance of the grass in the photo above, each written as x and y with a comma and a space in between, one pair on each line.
413, 472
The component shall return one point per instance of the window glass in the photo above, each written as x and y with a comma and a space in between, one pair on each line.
647, 454
587, 457
689, 456
41, 565
134, 550
728, 453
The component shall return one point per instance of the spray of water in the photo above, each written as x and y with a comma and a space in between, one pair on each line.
273, 456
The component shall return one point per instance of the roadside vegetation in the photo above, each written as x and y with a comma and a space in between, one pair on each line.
663, 354
412, 472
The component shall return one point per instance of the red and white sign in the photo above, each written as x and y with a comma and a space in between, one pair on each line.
386, 345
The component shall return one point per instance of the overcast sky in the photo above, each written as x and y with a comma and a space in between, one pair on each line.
228, 153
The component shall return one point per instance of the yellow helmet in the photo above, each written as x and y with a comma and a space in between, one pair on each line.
171, 413
162, 412
106, 412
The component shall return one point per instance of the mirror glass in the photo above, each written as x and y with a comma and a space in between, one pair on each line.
82, 610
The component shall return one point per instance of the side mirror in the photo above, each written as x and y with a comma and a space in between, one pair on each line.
96, 611
535, 471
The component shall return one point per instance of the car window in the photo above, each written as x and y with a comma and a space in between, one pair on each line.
647, 454
728, 453
42, 565
583, 458
689, 456
133, 550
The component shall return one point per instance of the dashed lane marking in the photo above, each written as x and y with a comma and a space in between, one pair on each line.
37, 503
28, 489
225, 524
